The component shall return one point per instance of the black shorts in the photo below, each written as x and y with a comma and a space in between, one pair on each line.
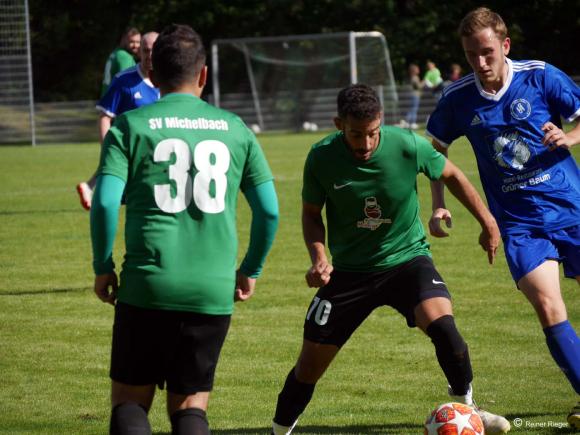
347, 300
174, 347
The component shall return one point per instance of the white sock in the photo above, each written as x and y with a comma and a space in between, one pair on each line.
278, 429
466, 399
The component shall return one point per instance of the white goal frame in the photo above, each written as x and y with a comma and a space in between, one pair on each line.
389, 89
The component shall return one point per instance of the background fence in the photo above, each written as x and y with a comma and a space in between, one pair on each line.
77, 121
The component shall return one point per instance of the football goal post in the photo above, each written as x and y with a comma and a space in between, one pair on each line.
16, 92
291, 82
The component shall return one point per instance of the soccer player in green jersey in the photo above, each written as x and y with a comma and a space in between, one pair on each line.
181, 163
365, 175
122, 57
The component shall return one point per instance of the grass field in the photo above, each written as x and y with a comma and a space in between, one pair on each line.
55, 334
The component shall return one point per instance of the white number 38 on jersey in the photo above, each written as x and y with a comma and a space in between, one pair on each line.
197, 188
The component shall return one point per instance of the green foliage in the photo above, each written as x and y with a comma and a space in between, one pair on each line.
71, 39
55, 334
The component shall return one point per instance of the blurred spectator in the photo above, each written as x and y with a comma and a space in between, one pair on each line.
122, 57
416, 84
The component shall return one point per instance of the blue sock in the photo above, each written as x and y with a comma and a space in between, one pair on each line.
564, 346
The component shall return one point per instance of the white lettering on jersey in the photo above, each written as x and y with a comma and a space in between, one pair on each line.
196, 124
155, 123
211, 159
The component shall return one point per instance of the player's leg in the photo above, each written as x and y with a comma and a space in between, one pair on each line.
333, 315
426, 303
188, 413
130, 405
299, 386
190, 370
532, 263
134, 361
85, 191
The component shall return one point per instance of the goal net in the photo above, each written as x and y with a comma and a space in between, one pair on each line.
291, 82
16, 97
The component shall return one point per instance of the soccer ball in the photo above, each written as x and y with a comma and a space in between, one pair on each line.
256, 128
454, 419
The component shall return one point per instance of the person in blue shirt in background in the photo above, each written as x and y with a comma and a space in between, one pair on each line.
129, 89
511, 112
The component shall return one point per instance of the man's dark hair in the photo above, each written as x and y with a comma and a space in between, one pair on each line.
358, 101
178, 55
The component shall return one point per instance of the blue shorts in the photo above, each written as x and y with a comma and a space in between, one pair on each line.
527, 250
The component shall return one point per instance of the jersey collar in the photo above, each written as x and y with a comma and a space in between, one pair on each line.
497, 96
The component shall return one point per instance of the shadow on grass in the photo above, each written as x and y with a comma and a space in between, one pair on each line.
383, 429
45, 291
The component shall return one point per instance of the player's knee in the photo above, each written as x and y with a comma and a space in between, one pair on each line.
129, 418
445, 336
550, 311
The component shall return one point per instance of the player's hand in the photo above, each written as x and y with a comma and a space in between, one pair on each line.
106, 287
435, 222
244, 287
319, 274
489, 239
555, 137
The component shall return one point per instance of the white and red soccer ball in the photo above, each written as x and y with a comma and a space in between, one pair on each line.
454, 419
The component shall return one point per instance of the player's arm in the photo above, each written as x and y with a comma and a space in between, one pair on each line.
438, 206
264, 205
314, 236
105, 122
555, 137
104, 219
463, 190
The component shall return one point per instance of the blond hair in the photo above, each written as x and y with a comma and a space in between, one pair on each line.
480, 19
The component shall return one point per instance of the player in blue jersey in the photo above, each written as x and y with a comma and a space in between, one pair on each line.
129, 90
510, 111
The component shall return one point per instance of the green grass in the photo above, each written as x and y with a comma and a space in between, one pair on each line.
55, 334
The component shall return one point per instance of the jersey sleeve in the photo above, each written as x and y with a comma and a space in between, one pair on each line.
124, 60
110, 102
256, 170
562, 93
442, 125
312, 190
114, 152
429, 160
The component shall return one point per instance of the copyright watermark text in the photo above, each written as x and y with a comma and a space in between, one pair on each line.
521, 423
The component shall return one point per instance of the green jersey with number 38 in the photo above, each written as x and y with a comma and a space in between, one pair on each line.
184, 162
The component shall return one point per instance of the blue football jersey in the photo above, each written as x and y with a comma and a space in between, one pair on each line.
128, 90
527, 186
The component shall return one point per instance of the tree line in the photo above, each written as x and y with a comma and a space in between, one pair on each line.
71, 39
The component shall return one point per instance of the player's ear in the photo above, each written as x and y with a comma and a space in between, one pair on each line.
338, 123
506, 45
202, 77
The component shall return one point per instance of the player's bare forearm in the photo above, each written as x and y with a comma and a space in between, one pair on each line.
463, 190
314, 236
104, 125
437, 186
314, 232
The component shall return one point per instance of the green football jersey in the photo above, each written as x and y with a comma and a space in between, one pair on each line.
184, 162
119, 60
372, 208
